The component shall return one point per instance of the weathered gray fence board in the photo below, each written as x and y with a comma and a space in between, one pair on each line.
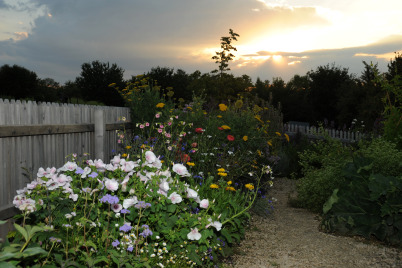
34, 135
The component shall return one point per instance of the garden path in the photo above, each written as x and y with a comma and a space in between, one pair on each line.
289, 237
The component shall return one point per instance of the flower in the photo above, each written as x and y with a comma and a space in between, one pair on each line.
249, 186
230, 138
199, 130
111, 184
226, 127
245, 138
109, 199
221, 170
125, 228
223, 107
277, 133
194, 234
150, 157
129, 202
157, 115
220, 128
286, 136
269, 143
194, 144
223, 174
115, 243
190, 164
191, 193
116, 207
204, 203
214, 186
230, 182
160, 105
175, 198
230, 188
181, 170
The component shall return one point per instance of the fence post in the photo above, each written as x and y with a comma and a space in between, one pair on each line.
100, 134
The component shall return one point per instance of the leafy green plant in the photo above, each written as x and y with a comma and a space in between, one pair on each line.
368, 205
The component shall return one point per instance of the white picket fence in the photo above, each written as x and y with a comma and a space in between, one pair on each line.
34, 135
316, 133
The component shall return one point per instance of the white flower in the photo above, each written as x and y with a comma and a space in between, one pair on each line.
129, 202
181, 170
194, 234
150, 157
191, 193
215, 224
68, 216
117, 207
111, 184
164, 186
204, 203
73, 196
69, 166
87, 171
175, 198
116, 160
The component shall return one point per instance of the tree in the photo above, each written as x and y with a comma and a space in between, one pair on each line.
18, 82
48, 90
394, 67
224, 56
94, 82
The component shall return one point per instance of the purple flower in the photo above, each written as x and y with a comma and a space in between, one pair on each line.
146, 232
124, 211
115, 243
130, 249
145, 226
79, 171
93, 175
125, 228
142, 204
109, 199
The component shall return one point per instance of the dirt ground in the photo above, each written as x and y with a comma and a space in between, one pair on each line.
290, 237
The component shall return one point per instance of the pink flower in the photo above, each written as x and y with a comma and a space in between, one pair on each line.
204, 203
161, 126
175, 198
199, 130
160, 130
141, 126
111, 184
157, 115
147, 124
181, 170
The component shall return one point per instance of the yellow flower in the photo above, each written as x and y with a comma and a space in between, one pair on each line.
269, 143
259, 153
249, 186
219, 116
238, 104
128, 147
286, 136
245, 138
279, 134
222, 107
230, 188
124, 155
225, 127
221, 170
214, 186
160, 105
229, 182
223, 174
191, 164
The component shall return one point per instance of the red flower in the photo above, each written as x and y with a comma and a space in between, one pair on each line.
231, 138
199, 130
220, 128
194, 144
185, 158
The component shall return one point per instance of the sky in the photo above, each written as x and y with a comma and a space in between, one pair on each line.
278, 38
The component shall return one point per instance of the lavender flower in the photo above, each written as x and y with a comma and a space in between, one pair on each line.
142, 204
109, 199
125, 228
115, 243
93, 175
146, 232
130, 249
124, 211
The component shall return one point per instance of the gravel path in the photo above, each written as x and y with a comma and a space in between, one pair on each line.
290, 238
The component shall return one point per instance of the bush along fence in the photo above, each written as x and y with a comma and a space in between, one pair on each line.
34, 135
316, 133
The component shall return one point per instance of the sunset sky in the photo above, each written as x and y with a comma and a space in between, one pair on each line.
278, 38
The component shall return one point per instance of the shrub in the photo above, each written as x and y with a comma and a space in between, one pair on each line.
368, 205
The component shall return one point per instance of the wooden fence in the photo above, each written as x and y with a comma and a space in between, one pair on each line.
34, 135
314, 132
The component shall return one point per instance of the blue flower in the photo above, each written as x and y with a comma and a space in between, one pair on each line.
93, 175
124, 211
146, 232
109, 199
79, 171
130, 249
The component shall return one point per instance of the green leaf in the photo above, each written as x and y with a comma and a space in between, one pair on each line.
6, 265
3, 222
226, 234
34, 251
6, 256
332, 200
22, 231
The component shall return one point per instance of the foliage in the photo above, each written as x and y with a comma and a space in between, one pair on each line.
369, 204
94, 81
18, 82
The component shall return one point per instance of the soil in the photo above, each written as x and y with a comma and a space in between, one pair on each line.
290, 237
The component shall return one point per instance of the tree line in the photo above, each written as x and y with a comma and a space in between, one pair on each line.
328, 94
